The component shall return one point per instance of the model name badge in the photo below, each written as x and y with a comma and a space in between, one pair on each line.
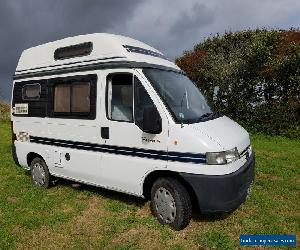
20, 108
145, 139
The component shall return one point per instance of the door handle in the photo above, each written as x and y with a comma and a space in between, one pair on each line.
105, 132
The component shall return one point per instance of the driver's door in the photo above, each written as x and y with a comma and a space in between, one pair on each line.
130, 152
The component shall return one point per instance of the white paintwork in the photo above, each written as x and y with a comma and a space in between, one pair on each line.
118, 172
104, 46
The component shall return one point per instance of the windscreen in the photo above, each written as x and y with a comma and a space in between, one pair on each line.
180, 94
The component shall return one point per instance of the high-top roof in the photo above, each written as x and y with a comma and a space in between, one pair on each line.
105, 47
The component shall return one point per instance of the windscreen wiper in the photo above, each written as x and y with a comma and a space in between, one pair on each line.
207, 116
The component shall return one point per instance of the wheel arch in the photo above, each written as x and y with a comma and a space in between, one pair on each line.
31, 156
154, 175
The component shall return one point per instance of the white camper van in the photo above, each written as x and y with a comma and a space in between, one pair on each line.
113, 112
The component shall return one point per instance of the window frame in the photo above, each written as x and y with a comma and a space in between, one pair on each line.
91, 79
106, 95
134, 76
31, 98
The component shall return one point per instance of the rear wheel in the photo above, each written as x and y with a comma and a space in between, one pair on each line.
170, 203
39, 173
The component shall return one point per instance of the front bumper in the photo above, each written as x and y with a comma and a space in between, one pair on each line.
222, 193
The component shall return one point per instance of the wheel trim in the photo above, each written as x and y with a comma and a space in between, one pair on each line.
38, 174
165, 205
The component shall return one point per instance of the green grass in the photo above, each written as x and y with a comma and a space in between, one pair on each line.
81, 217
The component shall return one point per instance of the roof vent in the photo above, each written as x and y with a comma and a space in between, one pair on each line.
82, 49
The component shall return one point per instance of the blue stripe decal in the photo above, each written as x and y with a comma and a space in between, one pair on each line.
121, 150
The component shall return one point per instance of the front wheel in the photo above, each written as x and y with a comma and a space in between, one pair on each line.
170, 203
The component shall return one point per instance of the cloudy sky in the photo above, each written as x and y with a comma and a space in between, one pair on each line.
172, 26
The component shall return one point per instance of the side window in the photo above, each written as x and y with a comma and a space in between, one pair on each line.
31, 91
142, 101
62, 98
119, 97
72, 98
81, 97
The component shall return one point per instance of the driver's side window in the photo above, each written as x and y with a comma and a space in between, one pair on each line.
119, 99
142, 101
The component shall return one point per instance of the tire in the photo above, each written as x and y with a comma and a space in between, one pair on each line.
40, 175
171, 203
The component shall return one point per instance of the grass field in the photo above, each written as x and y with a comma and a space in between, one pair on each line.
73, 216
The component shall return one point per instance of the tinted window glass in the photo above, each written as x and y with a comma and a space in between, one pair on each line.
142, 101
120, 97
143, 51
62, 98
31, 91
77, 50
81, 97
72, 98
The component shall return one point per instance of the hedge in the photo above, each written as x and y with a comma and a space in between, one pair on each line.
252, 76
4, 112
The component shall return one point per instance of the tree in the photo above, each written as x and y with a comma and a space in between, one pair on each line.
252, 76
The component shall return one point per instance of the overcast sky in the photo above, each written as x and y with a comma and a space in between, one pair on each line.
172, 26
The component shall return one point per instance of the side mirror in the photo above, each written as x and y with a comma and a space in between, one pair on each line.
151, 121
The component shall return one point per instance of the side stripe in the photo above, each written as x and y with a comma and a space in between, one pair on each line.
138, 152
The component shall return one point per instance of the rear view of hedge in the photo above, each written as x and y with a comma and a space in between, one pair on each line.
252, 77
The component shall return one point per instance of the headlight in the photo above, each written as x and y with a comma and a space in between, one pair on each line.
250, 150
224, 157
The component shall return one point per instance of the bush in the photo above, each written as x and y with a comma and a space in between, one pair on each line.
4, 112
251, 76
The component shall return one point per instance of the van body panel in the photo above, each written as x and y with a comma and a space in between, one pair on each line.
208, 136
224, 131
